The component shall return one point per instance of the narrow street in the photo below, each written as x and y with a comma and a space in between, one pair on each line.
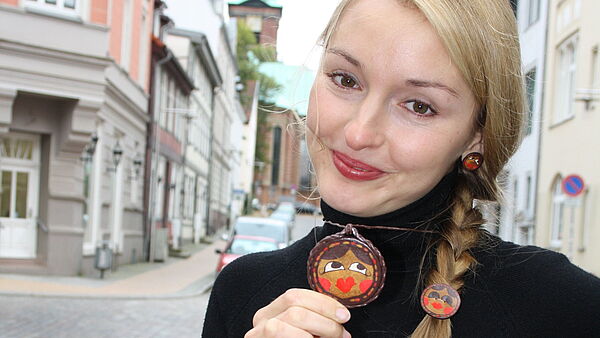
24, 316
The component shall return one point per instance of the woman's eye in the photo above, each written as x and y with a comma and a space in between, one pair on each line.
344, 80
333, 266
420, 108
358, 267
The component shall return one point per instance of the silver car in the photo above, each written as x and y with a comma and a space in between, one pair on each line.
263, 227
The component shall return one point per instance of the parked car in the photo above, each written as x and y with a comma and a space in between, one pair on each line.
263, 227
287, 207
286, 212
241, 245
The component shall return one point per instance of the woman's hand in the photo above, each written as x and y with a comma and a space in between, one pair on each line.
301, 313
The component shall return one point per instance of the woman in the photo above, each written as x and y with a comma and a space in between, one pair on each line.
416, 108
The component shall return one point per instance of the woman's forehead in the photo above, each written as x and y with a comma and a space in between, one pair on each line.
397, 42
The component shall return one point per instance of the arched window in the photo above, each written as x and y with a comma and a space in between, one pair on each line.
557, 221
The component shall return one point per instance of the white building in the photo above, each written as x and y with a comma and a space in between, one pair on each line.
517, 217
571, 225
193, 52
74, 82
210, 18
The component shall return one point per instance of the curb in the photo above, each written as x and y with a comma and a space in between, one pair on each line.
196, 289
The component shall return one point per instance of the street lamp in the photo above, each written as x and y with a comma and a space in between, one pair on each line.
117, 153
137, 165
90, 149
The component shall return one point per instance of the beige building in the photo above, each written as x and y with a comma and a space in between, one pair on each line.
73, 99
570, 138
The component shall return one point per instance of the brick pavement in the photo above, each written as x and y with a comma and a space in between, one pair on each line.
55, 317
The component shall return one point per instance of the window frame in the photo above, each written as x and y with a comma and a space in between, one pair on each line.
58, 8
566, 69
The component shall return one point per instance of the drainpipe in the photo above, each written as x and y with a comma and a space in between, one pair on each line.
216, 90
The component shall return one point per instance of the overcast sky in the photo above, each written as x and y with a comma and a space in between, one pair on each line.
299, 28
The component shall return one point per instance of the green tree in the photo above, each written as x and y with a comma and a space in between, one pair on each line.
249, 57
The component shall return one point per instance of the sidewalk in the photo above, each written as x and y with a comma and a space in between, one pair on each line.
174, 278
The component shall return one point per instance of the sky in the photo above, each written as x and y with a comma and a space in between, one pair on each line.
301, 23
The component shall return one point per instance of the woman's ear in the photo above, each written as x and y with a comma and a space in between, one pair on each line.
475, 145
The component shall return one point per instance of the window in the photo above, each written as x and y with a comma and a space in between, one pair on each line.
144, 45
530, 89
565, 83
87, 203
126, 40
528, 197
558, 206
533, 12
68, 7
587, 218
276, 156
595, 74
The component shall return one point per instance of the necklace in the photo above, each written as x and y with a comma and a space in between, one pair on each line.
349, 268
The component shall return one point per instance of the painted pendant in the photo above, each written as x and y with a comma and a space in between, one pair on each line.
347, 267
440, 301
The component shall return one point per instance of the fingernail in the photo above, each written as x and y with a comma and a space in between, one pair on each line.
346, 334
342, 314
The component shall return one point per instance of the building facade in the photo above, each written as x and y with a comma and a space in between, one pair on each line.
517, 216
569, 137
224, 152
194, 54
262, 17
170, 111
73, 117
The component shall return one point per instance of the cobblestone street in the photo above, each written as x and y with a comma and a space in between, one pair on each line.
64, 317
99, 316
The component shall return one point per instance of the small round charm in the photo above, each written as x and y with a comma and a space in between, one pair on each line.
440, 301
347, 267
473, 161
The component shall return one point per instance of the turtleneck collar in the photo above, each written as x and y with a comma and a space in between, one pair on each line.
424, 213
412, 215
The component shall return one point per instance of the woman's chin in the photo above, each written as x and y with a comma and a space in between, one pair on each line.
352, 205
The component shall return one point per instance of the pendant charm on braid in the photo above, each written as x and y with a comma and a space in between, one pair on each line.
440, 301
347, 267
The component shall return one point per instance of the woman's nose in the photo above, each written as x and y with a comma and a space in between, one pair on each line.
365, 129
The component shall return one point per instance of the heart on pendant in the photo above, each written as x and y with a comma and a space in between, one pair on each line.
345, 285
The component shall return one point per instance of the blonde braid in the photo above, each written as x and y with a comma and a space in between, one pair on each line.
453, 259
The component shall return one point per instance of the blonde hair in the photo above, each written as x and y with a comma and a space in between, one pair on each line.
482, 41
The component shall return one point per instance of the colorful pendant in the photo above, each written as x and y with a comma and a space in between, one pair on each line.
440, 301
347, 267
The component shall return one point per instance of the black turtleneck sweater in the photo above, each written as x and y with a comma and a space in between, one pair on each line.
515, 291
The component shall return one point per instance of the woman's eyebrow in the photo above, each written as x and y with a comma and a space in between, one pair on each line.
409, 82
431, 84
345, 55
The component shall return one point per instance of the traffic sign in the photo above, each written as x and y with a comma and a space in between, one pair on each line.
573, 185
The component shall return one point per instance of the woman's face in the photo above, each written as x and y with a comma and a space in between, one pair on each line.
391, 111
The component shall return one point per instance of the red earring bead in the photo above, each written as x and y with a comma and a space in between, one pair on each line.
473, 161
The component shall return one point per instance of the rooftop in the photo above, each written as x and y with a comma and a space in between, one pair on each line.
272, 3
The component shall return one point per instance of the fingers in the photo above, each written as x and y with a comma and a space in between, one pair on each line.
307, 299
315, 324
275, 328
297, 324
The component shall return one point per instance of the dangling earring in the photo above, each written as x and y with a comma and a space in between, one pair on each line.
472, 161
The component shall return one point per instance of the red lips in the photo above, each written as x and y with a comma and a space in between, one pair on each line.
354, 169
